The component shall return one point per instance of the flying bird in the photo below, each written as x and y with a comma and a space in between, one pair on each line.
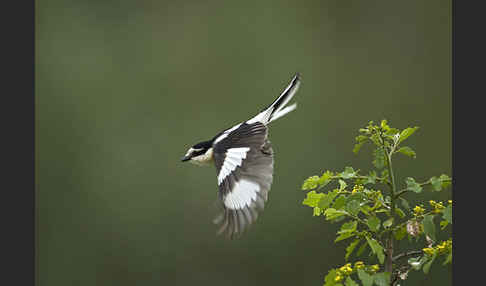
243, 157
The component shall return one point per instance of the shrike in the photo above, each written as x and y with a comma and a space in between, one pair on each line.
243, 157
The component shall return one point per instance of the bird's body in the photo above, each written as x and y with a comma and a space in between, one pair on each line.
243, 157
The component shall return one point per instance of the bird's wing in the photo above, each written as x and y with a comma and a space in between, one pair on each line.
244, 162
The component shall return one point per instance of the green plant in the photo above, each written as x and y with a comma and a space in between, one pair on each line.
375, 220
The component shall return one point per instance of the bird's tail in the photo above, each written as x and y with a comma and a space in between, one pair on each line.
282, 112
277, 109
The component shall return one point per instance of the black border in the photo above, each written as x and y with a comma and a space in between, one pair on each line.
17, 211
468, 79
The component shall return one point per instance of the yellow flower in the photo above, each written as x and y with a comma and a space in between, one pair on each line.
429, 250
444, 246
346, 269
375, 267
418, 210
357, 188
438, 206
359, 265
338, 278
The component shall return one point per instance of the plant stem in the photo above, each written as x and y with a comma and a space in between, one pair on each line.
407, 254
389, 246
428, 182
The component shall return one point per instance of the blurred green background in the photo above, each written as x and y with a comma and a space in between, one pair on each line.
123, 88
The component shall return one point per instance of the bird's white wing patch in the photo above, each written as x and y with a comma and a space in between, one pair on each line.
234, 158
242, 194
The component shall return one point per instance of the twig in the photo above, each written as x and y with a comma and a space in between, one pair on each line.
407, 254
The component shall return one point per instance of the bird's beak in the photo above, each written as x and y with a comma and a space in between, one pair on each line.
185, 158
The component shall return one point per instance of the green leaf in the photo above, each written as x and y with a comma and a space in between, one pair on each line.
448, 259
371, 178
344, 236
325, 178
357, 147
332, 213
407, 151
350, 282
446, 181
361, 249
429, 226
436, 183
373, 223
429, 263
329, 278
342, 185
364, 130
365, 278
399, 212
400, 233
359, 196
347, 230
384, 125
353, 207
377, 249
351, 247
317, 211
443, 224
387, 223
392, 131
447, 214
365, 209
348, 226
379, 158
312, 199
360, 139
417, 262
412, 185
406, 133
405, 203
382, 278
348, 173
327, 199
375, 138
384, 174
310, 183
339, 202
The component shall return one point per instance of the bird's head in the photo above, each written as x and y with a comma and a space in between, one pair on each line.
200, 154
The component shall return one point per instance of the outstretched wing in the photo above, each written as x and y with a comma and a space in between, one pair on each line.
244, 162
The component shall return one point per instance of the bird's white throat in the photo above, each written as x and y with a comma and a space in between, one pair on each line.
203, 159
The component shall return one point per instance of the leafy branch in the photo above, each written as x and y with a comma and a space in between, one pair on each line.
376, 218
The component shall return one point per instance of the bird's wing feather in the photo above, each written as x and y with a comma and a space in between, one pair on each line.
244, 162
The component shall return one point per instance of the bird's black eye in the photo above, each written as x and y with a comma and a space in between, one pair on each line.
198, 146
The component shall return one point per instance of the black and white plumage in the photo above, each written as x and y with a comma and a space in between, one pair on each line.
243, 157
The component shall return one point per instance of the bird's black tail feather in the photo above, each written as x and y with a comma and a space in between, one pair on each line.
289, 92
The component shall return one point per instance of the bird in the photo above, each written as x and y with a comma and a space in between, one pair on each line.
244, 160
